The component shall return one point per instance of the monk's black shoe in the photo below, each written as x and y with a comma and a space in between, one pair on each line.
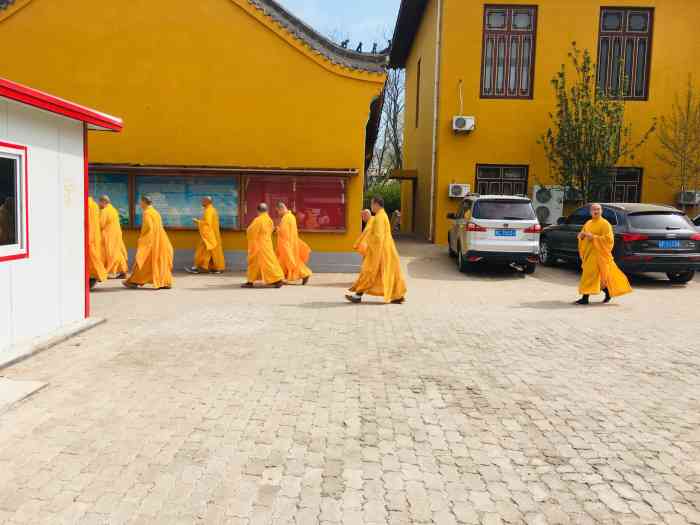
304, 281
607, 296
353, 298
398, 301
247, 285
583, 301
278, 284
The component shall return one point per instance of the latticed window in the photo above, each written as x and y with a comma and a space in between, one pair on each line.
501, 180
509, 51
624, 50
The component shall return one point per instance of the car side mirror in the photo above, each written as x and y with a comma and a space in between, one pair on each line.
452, 216
561, 220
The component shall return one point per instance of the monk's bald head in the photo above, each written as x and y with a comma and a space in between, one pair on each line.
262, 207
596, 210
366, 215
281, 208
104, 201
206, 201
146, 201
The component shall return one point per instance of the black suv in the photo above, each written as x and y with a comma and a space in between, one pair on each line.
648, 238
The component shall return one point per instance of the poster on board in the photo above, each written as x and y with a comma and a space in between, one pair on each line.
116, 187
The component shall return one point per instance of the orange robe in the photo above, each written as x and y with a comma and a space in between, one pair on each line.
96, 267
114, 254
598, 264
381, 274
292, 252
209, 255
154, 253
360, 245
262, 261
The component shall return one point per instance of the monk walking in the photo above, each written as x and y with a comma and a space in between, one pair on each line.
380, 274
209, 255
154, 253
114, 254
262, 261
292, 252
600, 273
96, 267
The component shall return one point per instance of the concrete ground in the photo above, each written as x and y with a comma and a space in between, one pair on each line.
485, 398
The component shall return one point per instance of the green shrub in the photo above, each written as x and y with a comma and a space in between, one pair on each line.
390, 191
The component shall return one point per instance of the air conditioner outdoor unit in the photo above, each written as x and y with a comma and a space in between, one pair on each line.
462, 124
691, 198
548, 202
459, 191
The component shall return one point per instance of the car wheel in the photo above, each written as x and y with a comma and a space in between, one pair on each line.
530, 268
450, 251
680, 277
462, 262
546, 257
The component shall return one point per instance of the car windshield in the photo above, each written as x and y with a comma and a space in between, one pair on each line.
504, 210
659, 221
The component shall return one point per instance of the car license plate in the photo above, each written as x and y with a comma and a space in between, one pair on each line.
669, 244
505, 233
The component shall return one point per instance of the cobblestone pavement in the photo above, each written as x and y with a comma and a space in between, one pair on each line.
484, 399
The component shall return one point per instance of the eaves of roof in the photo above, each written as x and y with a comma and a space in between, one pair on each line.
410, 16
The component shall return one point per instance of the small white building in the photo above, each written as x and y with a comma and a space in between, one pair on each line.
44, 286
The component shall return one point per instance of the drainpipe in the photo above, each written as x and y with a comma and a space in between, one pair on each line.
436, 121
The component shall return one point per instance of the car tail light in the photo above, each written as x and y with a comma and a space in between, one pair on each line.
533, 229
471, 227
474, 258
631, 237
695, 237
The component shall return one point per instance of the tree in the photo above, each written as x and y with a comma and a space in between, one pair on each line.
388, 152
589, 135
679, 135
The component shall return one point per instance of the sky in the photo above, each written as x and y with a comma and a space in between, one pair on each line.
367, 21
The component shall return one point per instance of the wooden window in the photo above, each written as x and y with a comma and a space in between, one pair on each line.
508, 54
622, 185
418, 81
624, 52
14, 231
501, 180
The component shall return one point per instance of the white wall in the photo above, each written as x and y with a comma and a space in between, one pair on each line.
40, 294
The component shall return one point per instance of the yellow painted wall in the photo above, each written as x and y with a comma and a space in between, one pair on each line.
507, 130
418, 140
212, 83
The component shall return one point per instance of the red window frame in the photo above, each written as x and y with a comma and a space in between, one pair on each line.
627, 39
509, 36
22, 152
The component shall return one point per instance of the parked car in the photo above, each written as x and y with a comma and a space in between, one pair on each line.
648, 238
495, 229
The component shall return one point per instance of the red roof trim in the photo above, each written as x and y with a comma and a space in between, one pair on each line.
41, 100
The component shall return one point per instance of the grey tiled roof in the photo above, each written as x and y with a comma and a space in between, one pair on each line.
372, 62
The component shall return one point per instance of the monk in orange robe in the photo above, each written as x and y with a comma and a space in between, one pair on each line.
96, 267
262, 261
600, 273
292, 252
380, 274
154, 253
209, 255
114, 254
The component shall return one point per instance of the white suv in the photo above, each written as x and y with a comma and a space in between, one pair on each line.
495, 228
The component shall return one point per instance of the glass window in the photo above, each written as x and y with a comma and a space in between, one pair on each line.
508, 51
13, 198
659, 221
116, 187
580, 216
623, 52
178, 198
504, 210
610, 216
318, 202
9, 194
501, 180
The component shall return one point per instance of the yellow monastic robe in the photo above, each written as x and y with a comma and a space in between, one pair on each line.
96, 267
114, 254
154, 253
262, 261
381, 274
209, 255
292, 252
599, 268
360, 245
